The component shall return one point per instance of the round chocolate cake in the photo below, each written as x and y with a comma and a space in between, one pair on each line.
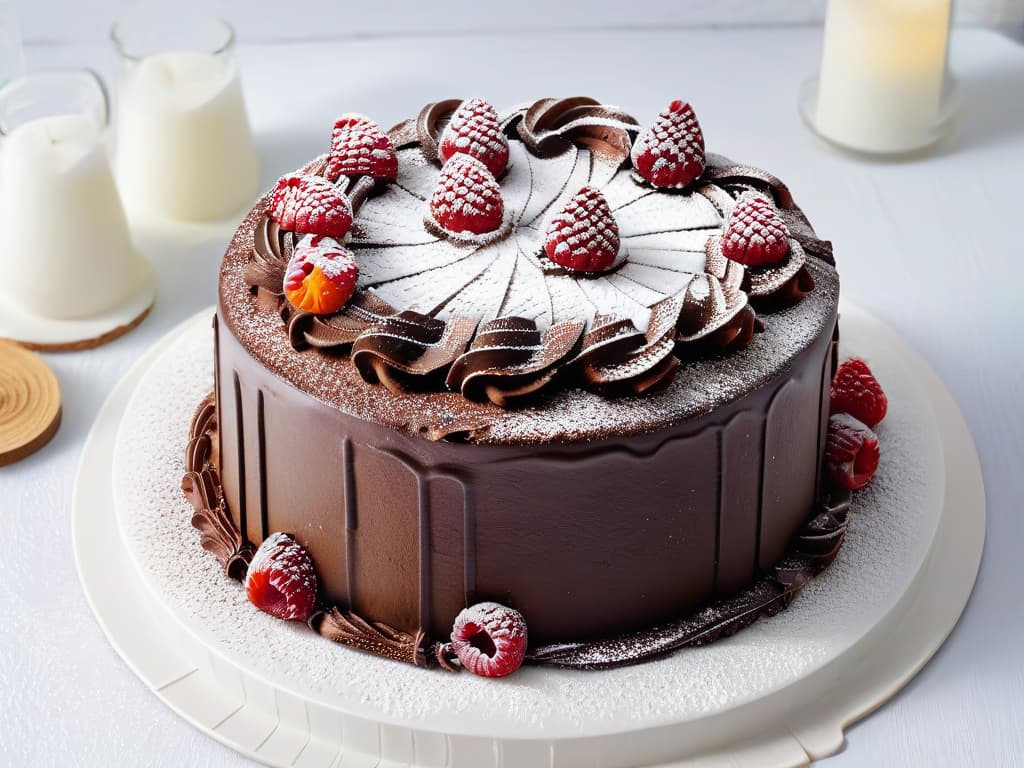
551, 358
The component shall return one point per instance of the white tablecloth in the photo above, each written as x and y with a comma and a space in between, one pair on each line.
934, 247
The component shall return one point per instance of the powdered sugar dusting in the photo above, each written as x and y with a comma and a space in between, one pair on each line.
570, 415
891, 527
667, 231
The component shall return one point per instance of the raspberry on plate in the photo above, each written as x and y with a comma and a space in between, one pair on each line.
321, 276
474, 130
670, 153
856, 391
851, 452
490, 639
281, 579
583, 235
310, 205
754, 234
467, 198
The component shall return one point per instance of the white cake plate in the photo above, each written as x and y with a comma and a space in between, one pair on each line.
51, 335
788, 709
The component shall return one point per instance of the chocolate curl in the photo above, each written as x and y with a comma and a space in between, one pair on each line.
709, 304
264, 274
549, 126
768, 280
431, 123
724, 172
201, 486
814, 548
618, 359
510, 359
409, 344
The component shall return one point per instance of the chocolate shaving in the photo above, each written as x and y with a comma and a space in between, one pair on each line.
815, 547
202, 488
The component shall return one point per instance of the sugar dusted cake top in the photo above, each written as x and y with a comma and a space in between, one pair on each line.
517, 271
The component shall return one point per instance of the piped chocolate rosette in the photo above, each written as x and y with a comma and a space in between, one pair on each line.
559, 244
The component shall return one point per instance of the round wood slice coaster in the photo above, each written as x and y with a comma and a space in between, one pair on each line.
29, 403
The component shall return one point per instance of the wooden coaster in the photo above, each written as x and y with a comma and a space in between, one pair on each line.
82, 344
29, 403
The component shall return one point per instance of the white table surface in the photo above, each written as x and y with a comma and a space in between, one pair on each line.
934, 247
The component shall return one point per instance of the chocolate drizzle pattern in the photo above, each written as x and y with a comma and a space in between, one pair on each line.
491, 320
813, 550
218, 533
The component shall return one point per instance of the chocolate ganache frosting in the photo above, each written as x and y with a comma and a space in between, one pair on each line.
629, 454
490, 316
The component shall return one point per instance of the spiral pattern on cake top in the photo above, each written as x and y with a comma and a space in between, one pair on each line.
498, 321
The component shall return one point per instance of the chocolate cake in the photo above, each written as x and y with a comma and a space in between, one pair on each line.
551, 359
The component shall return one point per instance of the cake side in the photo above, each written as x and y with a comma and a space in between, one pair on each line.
584, 538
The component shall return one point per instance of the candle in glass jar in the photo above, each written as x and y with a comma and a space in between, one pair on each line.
882, 73
184, 142
67, 251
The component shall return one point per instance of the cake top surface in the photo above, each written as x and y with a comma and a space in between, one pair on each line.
557, 272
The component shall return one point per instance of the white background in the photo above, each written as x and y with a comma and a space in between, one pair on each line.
933, 247
78, 21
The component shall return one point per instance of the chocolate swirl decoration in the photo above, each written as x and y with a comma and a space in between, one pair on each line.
813, 550
492, 320
402, 347
202, 488
549, 126
511, 359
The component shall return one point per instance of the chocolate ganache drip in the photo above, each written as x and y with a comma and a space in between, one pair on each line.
490, 318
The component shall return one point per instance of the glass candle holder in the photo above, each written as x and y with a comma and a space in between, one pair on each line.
184, 146
67, 253
884, 86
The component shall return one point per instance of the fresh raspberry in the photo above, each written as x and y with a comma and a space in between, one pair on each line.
489, 639
310, 205
755, 234
360, 148
281, 579
856, 391
467, 198
474, 130
321, 276
583, 235
671, 152
851, 452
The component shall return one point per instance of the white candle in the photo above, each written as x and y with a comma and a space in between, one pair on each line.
184, 144
67, 253
882, 72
